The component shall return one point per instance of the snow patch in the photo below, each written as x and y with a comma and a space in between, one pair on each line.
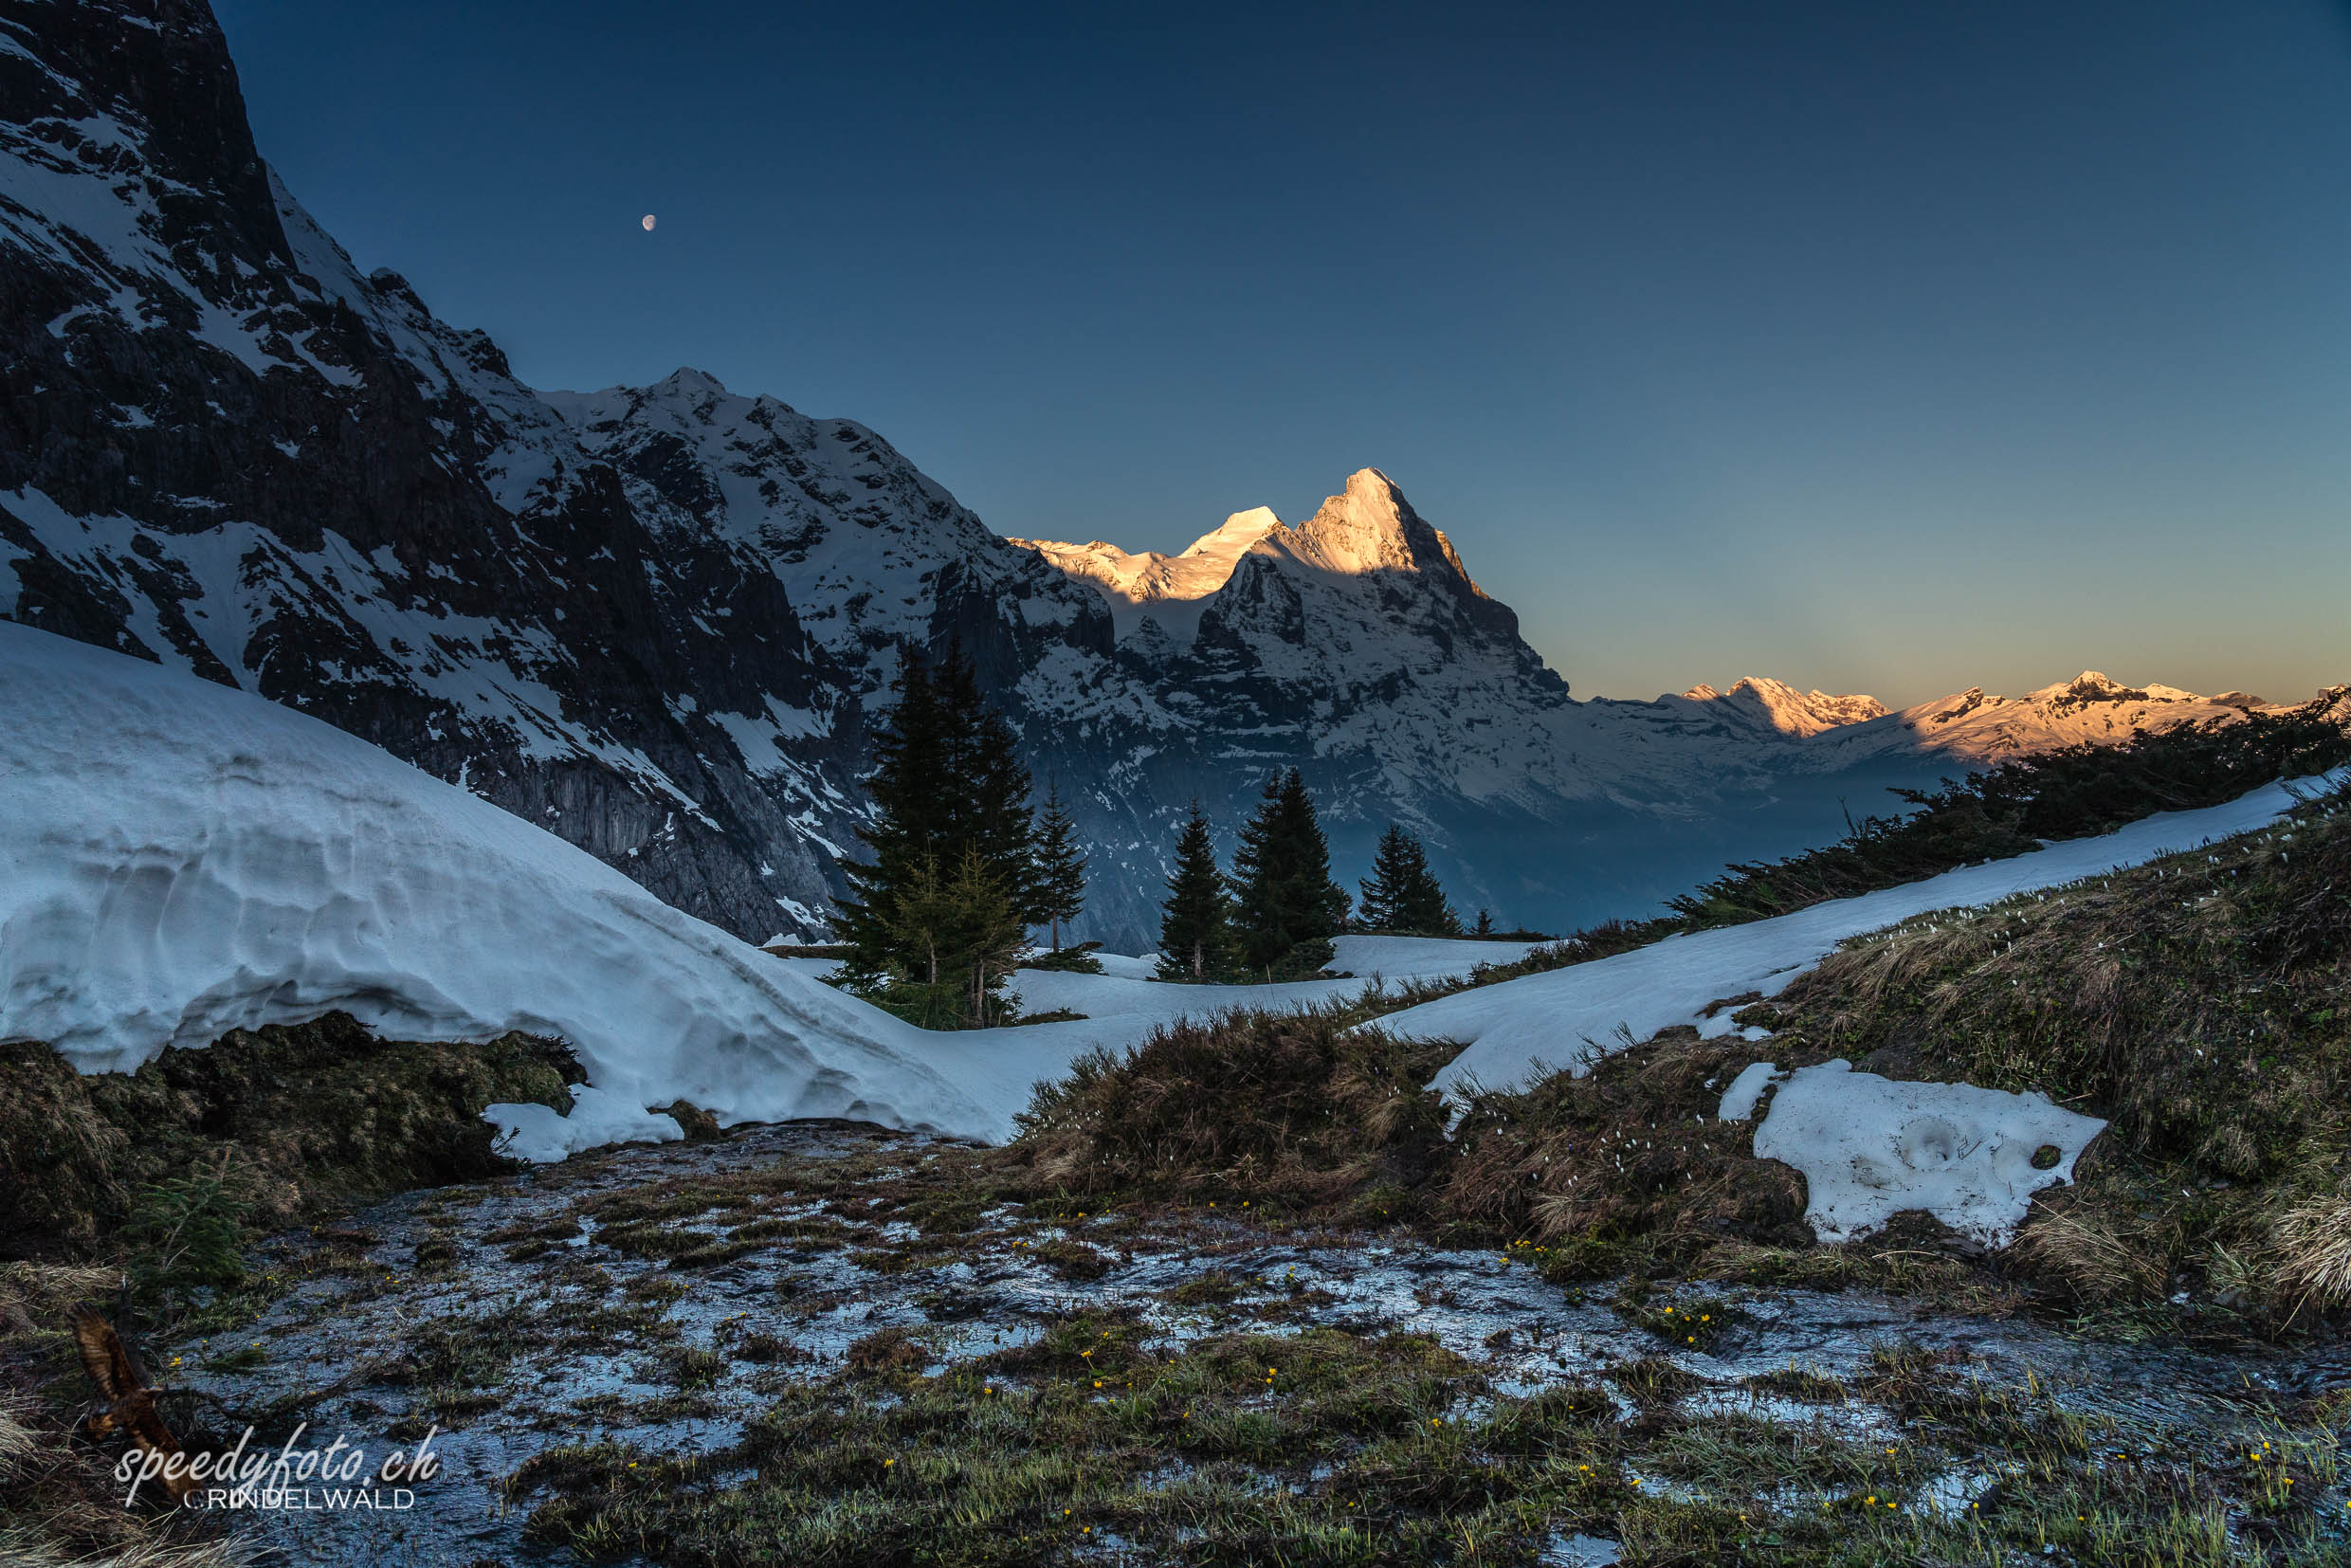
542, 1135
1871, 1148
1738, 1100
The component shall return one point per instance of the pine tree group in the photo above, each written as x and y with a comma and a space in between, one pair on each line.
1195, 924
1285, 906
1402, 894
939, 917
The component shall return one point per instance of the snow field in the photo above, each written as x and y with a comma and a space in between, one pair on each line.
182, 859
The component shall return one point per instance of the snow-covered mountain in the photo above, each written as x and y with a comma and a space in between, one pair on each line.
2090, 709
1786, 710
657, 620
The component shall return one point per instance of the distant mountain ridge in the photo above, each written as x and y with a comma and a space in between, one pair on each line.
658, 620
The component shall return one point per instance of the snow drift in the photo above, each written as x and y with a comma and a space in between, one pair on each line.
182, 859
1516, 1032
1870, 1148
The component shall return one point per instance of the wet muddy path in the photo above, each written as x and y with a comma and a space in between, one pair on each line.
663, 1297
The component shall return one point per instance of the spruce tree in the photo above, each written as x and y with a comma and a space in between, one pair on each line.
1195, 933
983, 789
1422, 910
910, 753
947, 785
1402, 894
1484, 926
960, 939
1380, 908
1060, 879
1285, 906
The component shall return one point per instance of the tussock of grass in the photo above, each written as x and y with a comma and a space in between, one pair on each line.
1246, 1106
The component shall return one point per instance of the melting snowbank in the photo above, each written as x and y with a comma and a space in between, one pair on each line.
182, 859
1871, 1148
1569, 1018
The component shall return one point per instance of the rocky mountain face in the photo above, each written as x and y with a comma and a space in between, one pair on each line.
222, 447
658, 620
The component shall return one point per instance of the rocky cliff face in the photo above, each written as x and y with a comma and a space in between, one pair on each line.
222, 447
657, 620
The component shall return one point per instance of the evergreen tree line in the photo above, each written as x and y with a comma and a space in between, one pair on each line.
1274, 915
962, 863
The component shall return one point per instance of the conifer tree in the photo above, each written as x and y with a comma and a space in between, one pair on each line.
1195, 932
948, 787
1285, 906
1060, 880
983, 792
910, 752
1484, 926
1392, 863
1402, 894
964, 939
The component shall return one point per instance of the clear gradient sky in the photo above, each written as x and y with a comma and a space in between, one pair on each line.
1880, 347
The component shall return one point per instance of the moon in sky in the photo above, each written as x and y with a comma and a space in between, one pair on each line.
647, 221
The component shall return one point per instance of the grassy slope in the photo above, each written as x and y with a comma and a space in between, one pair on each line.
2203, 1004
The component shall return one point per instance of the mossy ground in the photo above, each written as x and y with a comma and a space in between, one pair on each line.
141, 1192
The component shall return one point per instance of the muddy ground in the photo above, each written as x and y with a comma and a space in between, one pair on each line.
726, 1351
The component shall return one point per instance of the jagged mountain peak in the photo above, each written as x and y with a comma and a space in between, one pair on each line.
1788, 711
2097, 686
1369, 530
1366, 527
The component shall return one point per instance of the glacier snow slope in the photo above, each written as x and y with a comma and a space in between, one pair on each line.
182, 859
1569, 1018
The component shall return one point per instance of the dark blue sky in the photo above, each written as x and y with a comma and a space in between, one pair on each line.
1881, 347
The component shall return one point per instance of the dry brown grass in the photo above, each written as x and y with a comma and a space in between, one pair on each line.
1287, 1105
2098, 1255
2313, 1240
39, 1296
59, 1507
1633, 1150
